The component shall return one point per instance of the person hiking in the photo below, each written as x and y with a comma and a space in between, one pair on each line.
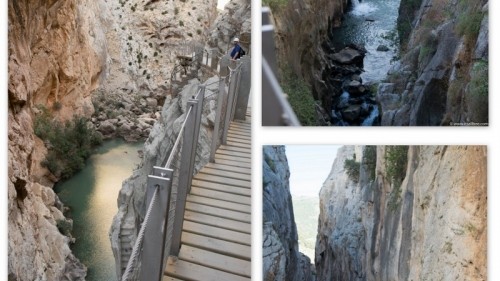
237, 51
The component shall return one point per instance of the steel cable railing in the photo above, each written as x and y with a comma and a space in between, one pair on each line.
140, 238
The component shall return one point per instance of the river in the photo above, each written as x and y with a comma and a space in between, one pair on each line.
370, 23
91, 195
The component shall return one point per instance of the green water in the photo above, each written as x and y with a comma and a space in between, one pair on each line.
91, 195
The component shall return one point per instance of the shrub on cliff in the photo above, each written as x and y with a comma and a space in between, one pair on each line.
69, 144
396, 160
477, 95
370, 160
299, 96
351, 167
275, 5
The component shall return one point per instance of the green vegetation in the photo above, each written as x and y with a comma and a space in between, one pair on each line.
299, 96
370, 160
57, 105
181, 23
270, 162
176, 10
428, 46
396, 158
69, 144
352, 168
477, 95
407, 10
469, 19
275, 5
64, 227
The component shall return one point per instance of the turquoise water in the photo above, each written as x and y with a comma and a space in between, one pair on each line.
91, 196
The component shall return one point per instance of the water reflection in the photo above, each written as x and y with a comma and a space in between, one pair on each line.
92, 195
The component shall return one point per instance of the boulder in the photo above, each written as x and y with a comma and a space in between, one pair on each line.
107, 128
352, 113
382, 48
151, 102
348, 56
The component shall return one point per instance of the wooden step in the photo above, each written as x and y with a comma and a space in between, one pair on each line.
217, 222
217, 212
244, 134
232, 158
219, 246
235, 148
228, 168
223, 180
237, 144
232, 162
234, 153
229, 189
240, 130
221, 195
219, 203
190, 271
220, 233
227, 174
244, 141
216, 261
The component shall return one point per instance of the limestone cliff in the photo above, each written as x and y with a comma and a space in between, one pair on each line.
55, 60
442, 77
281, 257
234, 21
430, 225
301, 26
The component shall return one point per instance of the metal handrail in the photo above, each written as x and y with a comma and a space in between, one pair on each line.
177, 140
140, 238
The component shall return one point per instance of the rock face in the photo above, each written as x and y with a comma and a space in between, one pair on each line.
55, 60
131, 200
300, 28
441, 67
431, 228
281, 257
234, 21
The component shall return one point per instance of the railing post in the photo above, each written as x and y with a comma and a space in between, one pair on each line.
153, 261
243, 90
230, 103
224, 63
188, 154
218, 115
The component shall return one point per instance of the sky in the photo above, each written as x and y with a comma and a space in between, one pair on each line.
309, 167
221, 4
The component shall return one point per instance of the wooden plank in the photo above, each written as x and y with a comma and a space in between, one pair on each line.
237, 144
240, 137
227, 174
241, 124
216, 261
239, 130
233, 153
221, 187
223, 180
220, 203
228, 168
168, 278
235, 148
217, 212
219, 246
233, 132
232, 158
223, 234
221, 195
190, 271
223, 161
230, 138
217, 222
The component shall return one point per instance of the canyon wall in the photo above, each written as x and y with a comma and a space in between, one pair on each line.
281, 257
55, 59
430, 227
234, 21
442, 76
300, 28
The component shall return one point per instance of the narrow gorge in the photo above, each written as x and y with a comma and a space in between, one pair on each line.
85, 71
388, 63
386, 213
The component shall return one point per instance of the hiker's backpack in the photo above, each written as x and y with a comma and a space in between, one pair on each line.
242, 52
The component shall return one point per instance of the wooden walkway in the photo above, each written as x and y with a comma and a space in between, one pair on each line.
216, 235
